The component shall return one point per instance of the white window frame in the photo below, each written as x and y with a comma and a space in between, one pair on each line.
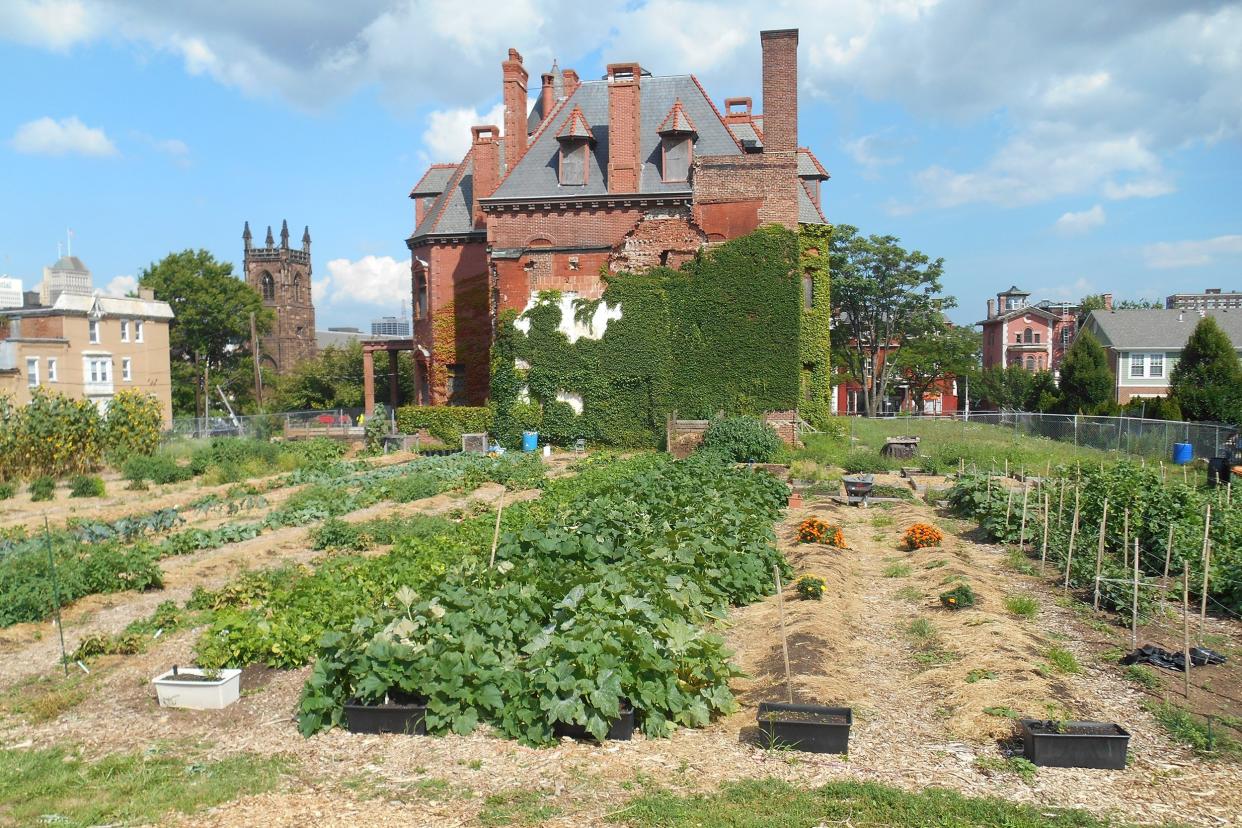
125, 330
127, 369
1155, 360
1138, 366
51, 370
92, 329
138, 331
32, 372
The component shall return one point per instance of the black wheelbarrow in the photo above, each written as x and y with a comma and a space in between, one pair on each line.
858, 488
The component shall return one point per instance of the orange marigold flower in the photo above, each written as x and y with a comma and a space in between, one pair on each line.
922, 535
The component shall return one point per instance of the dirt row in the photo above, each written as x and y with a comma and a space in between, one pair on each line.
916, 724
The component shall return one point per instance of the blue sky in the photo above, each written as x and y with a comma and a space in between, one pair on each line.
1064, 147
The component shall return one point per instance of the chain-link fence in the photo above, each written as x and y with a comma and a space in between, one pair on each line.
339, 422
1153, 439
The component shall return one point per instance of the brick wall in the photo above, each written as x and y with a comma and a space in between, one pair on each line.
780, 90
771, 180
663, 237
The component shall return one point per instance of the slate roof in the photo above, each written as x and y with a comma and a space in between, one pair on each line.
677, 121
808, 213
1157, 329
809, 166
745, 132
535, 176
452, 211
433, 181
69, 263
576, 126
1016, 291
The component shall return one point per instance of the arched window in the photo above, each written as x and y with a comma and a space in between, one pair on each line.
1026, 336
1030, 363
269, 287
297, 290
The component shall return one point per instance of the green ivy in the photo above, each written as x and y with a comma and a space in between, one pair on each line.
445, 422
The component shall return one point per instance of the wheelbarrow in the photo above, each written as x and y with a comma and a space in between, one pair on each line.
858, 488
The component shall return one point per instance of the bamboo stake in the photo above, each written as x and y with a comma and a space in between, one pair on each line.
1047, 468
1043, 557
1134, 605
1061, 504
1099, 555
1162, 478
1186, 623
1168, 554
51, 566
1125, 539
1008, 510
1069, 555
1207, 560
500, 505
780, 602
1022, 533
1006, 467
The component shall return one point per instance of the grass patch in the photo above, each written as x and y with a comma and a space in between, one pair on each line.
1193, 732
936, 564
44, 698
1002, 712
979, 674
897, 570
1015, 765
56, 787
516, 807
1062, 660
1023, 606
1018, 561
910, 593
928, 649
1143, 676
771, 803
882, 521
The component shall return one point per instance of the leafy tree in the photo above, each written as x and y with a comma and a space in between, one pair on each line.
936, 356
334, 379
1139, 304
211, 328
883, 296
1207, 381
1153, 408
1013, 388
1086, 380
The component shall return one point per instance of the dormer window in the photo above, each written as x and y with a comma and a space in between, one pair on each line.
575, 138
677, 134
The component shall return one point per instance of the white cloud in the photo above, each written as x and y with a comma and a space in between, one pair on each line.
120, 286
52, 24
872, 151
1074, 224
447, 136
1192, 253
1081, 287
373, 280
66, 136
1139, 188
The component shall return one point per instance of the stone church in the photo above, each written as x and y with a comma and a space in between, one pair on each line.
282, 277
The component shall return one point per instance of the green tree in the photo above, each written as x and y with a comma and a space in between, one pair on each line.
211, 329
1086, 381
936, 356
1206, 381
883, 296
1013, 388
1139, 304
334, 379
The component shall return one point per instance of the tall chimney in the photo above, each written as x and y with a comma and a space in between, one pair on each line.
780, 90
624, 168
1108, 301
547, 95
486, 161
991, 309
570, 81
515, 108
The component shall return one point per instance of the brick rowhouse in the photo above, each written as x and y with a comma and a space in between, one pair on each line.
631, 171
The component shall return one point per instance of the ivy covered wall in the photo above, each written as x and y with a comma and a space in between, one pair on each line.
726, 332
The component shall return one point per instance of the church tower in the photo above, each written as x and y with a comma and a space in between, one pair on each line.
282, 277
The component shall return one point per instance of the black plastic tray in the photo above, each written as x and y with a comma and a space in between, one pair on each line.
1075, 750
621, 730
395, 717
798, 730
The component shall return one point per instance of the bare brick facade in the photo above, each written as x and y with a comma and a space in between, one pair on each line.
282, 277
625, 173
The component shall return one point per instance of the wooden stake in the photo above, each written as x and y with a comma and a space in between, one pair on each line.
1061, 504
1008, 510
1069, 556
1168, 554
1134, 606
1186, 622
1047, 469
1207, 562
1006, 467
1043, 557
780, 601
1099, 555
1125, 539
1022, 534
500, 505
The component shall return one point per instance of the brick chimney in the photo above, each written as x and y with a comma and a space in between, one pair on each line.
547, 95
624, 167
780, 90
515, 78
1108, 301
570, 81
991, 309
486, 161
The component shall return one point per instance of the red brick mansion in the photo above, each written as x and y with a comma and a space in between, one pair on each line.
622, 173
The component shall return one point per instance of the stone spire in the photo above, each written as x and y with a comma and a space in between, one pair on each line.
270, 240
246, 237
306, 239
284, 234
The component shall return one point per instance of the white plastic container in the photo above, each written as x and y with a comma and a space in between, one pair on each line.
198, 695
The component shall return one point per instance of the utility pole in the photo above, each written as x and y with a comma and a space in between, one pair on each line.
254, 353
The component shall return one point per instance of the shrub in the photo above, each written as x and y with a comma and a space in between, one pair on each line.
42, 488
335, 533
7, 490
560, 424
866, 461
86, 485
960, 597
444, 422
1023, 606
746, 439
922, 536
810, 587
1062, 660
814, 530
132, 426
158, 468
315, 454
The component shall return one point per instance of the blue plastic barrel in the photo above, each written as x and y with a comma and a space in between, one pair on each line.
530, 441
1183, 453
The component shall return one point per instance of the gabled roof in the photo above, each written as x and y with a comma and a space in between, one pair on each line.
1157, 329
808, 213
1016, 291
676, 121
809, 166
575, 127
452, 211
535, 176
743, 131
1025, 310
433, 181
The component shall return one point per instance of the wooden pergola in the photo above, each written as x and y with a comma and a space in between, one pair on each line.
369, 348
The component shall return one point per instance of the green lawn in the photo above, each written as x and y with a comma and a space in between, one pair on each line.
771, 803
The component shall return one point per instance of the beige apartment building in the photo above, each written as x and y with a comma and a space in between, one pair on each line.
88, 347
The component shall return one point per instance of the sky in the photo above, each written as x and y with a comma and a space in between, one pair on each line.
1065, 147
